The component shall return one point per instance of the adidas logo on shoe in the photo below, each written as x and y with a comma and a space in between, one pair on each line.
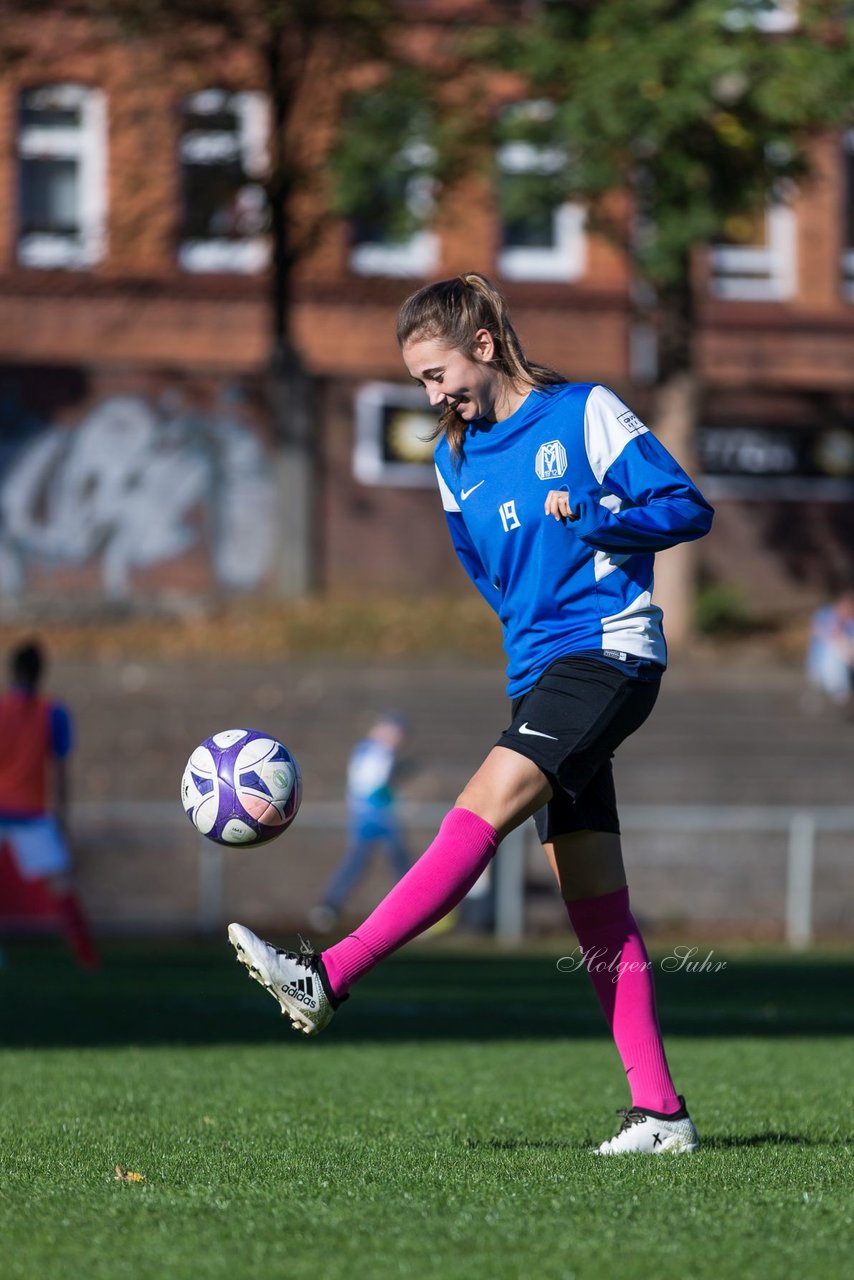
297, 980
302, 990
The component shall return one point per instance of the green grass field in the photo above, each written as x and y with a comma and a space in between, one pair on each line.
441, 1127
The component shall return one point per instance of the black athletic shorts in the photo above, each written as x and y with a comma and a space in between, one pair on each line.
570, 724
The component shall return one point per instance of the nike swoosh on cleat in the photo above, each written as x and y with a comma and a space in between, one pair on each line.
536, 733
466, 493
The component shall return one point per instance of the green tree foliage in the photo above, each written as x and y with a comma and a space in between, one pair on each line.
694, 106
385, 158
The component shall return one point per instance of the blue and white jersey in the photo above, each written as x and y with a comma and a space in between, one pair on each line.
369, 777
581, 586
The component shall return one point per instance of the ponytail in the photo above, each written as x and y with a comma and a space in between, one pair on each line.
452, 311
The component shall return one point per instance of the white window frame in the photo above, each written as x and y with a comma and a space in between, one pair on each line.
566, 258
418, 254
369, 465
86, 144
847, 263
759, 273
781, 17
215, 254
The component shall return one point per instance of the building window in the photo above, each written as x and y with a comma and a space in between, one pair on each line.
848, 217
224, 163
62, 168
758, 263
395, 239
542, 235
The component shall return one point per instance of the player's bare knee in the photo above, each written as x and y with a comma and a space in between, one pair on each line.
477, 800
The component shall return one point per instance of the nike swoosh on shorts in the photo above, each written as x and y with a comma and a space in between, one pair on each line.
523, 728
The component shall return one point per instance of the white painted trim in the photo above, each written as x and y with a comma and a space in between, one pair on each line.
759, 272
246, 257
87, 146
783, 16
250, 141
416, 256
254, 111
566, 257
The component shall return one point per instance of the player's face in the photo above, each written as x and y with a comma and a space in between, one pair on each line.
469, 383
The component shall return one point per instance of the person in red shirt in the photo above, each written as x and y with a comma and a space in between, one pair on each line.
35, 743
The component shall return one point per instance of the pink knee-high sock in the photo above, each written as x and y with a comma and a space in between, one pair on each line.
621, 972
440, 879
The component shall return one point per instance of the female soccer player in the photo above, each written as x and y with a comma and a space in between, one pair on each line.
557, 498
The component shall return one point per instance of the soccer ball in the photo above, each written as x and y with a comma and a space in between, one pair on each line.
241, 787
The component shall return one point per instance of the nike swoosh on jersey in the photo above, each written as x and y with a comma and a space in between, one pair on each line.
523, 728
466, 493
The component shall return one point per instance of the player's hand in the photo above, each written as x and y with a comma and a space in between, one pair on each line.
557, 505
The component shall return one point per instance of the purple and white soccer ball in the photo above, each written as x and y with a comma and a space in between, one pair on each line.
241, 787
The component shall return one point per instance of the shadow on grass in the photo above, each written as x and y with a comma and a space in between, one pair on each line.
770, 1140
520, 1144
155, 993
707, 1144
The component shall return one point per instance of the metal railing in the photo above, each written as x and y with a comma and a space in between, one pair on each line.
800, 826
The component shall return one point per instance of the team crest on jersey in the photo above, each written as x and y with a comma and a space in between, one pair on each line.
551, 460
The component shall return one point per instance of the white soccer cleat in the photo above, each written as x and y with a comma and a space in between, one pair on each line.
295, 978
651, 1133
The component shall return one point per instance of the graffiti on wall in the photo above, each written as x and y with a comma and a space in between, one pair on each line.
136, 481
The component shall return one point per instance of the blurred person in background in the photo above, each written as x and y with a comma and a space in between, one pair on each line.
372, 815
830, 652
35, 744
557, 497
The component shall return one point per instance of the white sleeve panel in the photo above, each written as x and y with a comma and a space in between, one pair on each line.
449, 502
605, 563
609, 425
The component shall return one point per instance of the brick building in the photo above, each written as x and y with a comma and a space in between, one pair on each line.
137, 455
